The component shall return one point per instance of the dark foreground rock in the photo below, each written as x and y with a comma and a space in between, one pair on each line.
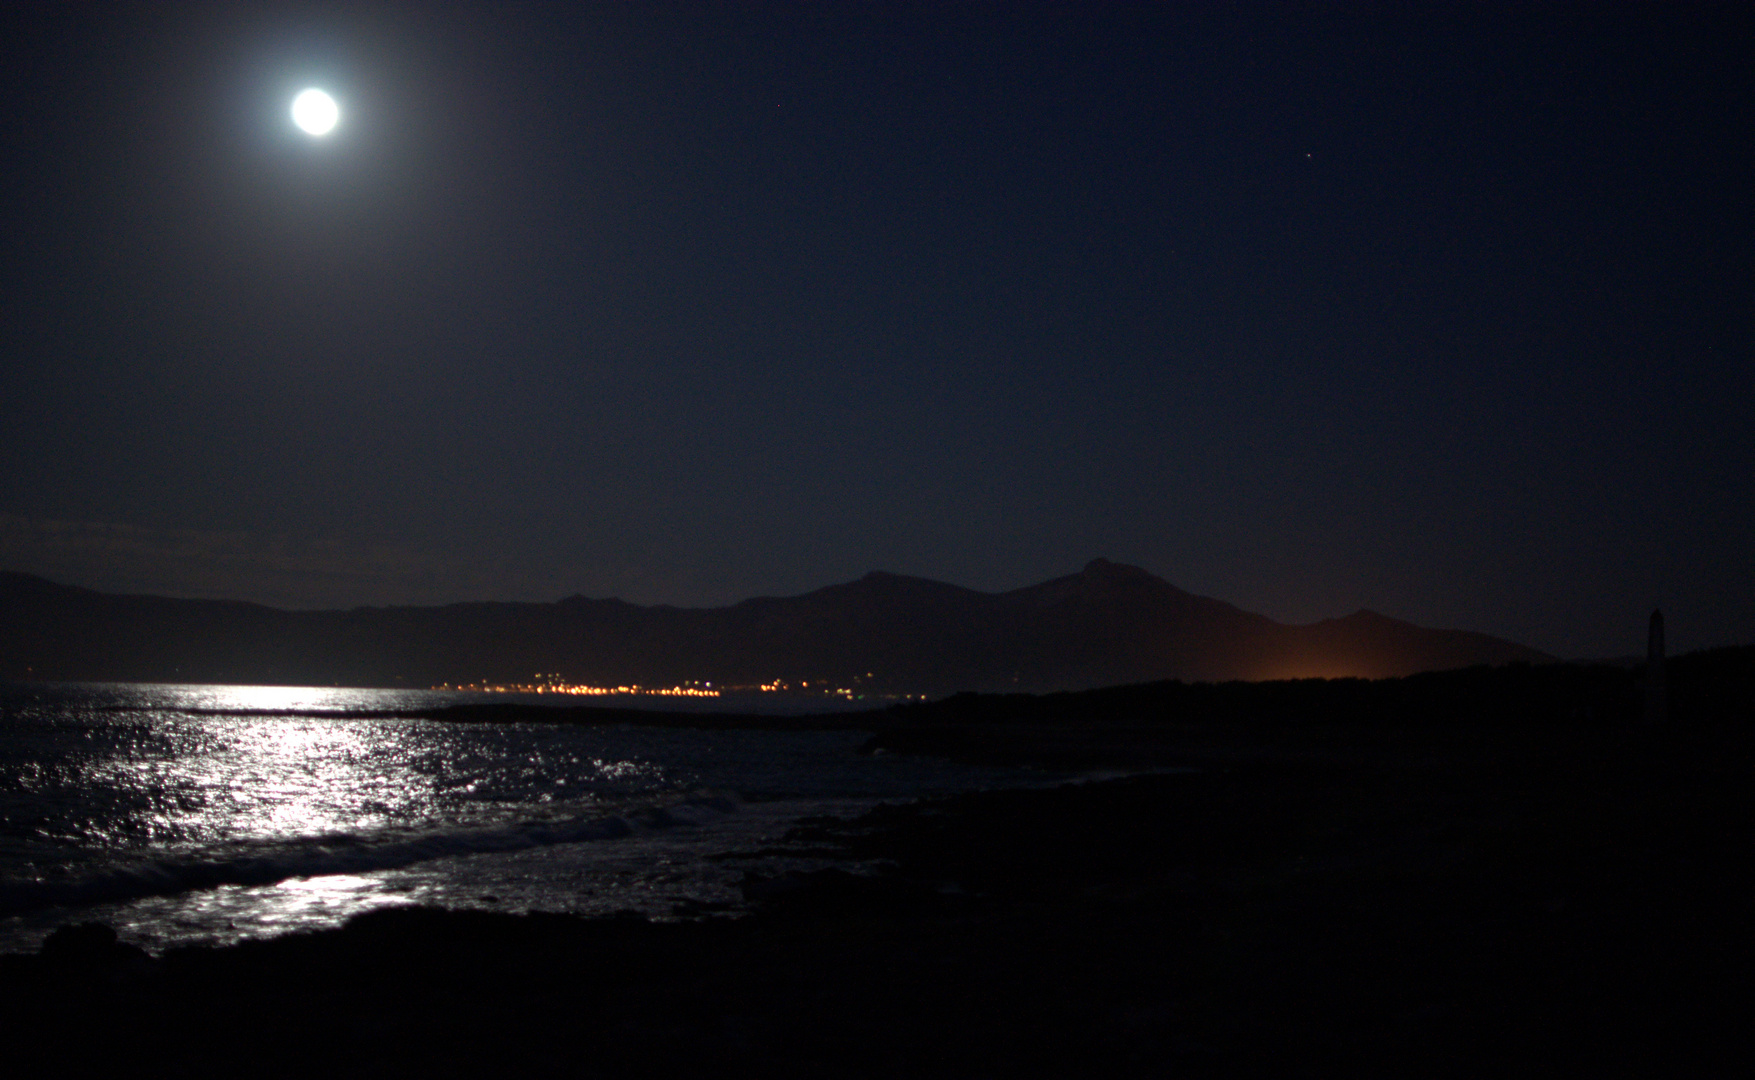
1577, 905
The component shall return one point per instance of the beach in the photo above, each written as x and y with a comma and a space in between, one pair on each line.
1267, 904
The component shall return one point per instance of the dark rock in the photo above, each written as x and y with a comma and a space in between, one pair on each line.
92, 948
834, 892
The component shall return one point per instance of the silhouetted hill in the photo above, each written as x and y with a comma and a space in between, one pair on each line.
1107, 625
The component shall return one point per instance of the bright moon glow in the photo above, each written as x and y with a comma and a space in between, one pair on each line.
315, 112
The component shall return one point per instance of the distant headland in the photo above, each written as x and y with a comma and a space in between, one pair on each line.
882, 636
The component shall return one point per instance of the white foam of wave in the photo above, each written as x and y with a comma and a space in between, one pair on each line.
326, 856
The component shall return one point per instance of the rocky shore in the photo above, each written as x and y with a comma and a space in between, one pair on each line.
1303, 901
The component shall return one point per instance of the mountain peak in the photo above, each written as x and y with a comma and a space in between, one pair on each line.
1113, 571
1101, 581
1365, 614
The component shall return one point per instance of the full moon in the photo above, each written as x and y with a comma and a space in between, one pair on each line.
315, 112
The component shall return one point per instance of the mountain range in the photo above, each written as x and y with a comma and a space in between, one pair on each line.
1108, 624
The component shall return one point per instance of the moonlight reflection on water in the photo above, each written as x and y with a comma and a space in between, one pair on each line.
207, 814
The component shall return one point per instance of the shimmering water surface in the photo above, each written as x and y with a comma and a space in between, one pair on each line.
189, 814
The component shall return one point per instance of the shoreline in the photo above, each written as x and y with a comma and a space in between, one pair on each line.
1538, 902
1475, 871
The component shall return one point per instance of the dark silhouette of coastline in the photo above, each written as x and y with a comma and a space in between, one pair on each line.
1164, 723
1107, 625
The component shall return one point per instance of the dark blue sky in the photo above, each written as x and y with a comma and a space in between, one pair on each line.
1444, 312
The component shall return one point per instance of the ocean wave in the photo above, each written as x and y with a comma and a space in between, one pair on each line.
314, 857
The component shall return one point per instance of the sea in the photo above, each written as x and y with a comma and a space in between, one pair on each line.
209, 815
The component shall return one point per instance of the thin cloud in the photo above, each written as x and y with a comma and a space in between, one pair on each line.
276, 570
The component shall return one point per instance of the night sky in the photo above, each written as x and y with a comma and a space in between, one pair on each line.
1444, 312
